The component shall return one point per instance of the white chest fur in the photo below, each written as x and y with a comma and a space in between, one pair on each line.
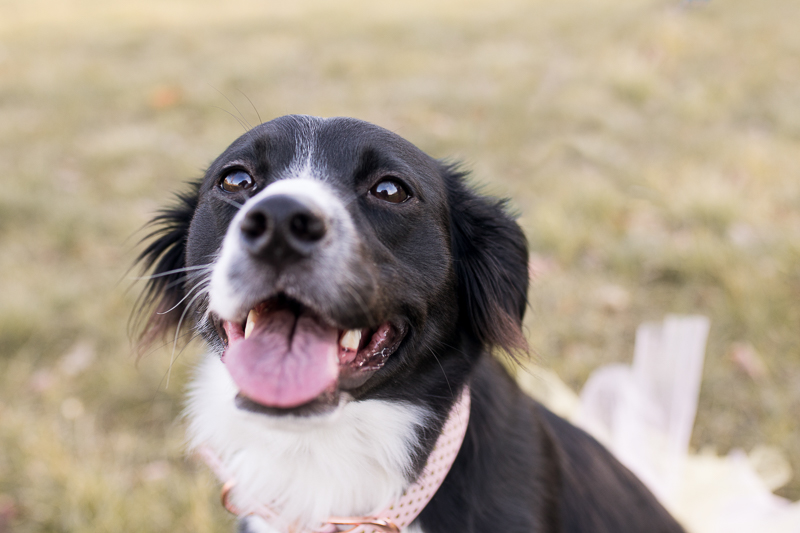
352, 462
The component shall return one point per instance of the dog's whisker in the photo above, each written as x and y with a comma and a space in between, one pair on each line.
189, 277
197, 275
156, 347
452, 395
192, 336
177, 331
457, 350
188, 293
174, 271
242, 124
249, 127
234, 203
252, 105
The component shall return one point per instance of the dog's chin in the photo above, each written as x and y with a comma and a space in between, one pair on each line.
323, 406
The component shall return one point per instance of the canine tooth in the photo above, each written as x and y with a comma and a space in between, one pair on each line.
351, 339
251, 323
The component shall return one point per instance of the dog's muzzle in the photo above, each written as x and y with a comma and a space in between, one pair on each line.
287, 274
282, 230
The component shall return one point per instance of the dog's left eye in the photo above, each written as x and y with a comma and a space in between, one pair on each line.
390, 191
236, 181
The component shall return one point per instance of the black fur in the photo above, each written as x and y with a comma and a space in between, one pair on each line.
490, 257
452, 266
162, 302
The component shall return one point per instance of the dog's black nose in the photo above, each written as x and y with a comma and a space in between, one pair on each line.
281, 229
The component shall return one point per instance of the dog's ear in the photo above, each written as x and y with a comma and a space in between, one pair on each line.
490, 258
162, 303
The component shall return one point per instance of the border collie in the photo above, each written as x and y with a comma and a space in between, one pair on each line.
351, 290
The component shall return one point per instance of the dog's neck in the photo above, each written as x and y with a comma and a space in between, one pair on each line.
356, 461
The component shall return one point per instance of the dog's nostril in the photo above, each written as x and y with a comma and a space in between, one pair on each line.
254, 225
280, 230
307, 227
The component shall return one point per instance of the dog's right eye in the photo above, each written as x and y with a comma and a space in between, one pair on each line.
390, 191
236, 181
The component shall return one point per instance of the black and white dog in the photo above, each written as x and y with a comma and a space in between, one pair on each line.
350, 287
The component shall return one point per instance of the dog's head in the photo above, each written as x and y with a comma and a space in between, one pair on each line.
330, 258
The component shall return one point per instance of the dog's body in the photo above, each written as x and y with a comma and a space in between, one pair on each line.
350, 288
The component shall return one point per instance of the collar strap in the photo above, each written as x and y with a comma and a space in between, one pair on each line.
402, 512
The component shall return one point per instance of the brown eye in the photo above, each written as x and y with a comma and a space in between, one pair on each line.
390, 191
236, 181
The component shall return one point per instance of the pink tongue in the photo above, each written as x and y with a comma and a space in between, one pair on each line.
278, 367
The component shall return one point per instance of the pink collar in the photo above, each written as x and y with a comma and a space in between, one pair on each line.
398, 515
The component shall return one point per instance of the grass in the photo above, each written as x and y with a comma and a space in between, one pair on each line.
650, 147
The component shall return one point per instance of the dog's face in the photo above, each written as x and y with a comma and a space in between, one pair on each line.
328, 260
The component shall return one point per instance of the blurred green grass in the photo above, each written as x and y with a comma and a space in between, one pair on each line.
651, 148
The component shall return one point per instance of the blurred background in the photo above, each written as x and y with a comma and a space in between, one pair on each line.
650, 147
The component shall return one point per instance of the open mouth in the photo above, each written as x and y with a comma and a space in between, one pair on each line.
285, 358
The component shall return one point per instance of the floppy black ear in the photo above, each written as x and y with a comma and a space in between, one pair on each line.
162, 303
490, 257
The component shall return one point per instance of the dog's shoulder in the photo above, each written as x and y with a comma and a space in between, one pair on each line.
537, 472
595, 491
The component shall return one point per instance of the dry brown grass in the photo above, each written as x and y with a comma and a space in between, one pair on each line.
651, 148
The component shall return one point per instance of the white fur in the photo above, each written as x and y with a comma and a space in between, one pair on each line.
305, 164
228, 300
352, 462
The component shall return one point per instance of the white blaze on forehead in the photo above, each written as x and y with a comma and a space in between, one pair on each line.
305, 164
312, 192
226, 300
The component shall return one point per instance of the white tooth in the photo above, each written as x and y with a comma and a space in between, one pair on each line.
251, 323
351, 339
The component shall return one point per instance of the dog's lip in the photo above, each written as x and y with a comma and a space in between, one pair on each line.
384, 337
235, 325
324, 404
382, 342
377, 345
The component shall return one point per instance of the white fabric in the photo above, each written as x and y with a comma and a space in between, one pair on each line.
644, 413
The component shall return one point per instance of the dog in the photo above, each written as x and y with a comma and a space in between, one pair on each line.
351, 290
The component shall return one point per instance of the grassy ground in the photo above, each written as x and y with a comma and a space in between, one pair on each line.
651, 148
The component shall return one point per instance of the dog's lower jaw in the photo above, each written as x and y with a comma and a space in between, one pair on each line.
352, 462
